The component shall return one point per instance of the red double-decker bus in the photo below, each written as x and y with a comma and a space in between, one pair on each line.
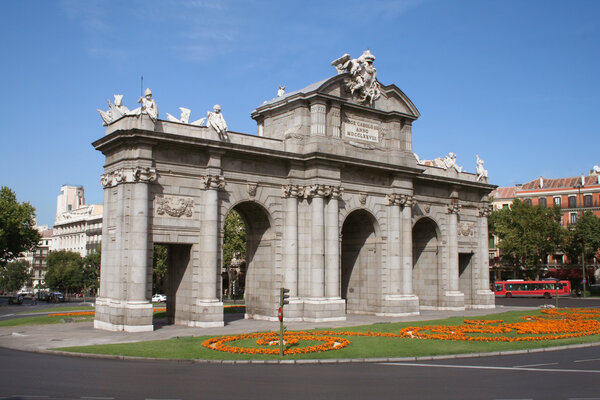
521, 288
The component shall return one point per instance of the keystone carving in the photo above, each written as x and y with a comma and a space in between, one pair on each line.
252, 189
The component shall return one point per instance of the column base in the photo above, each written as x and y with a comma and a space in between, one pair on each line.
207, 314
399, 306
123, 316
453, 301
483, 299
324, 309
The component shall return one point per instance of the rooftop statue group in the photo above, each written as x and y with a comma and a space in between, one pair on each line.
363, 76
449, 162
214, 119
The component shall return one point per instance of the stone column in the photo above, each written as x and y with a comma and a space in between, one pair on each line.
406, 240
125, 306
290, 239
318, 119
139, 249
400, 300
483, 296
209, 310
332, 239
317, 270
395, 265
453, 247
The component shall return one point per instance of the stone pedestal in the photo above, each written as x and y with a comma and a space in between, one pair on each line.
399, 306
208, 314
320, 310
128, 316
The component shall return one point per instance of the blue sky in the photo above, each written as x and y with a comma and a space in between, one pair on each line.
516, 82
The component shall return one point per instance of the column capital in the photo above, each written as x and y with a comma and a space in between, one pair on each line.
485, 211
402, 200
454, 208
292, 191
128, 175
212, 182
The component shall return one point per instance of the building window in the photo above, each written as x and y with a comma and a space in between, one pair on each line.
557, 201
572, 218
587, 200
491, 243
572, 201
505, 206
558, 258
542, 202
527, 201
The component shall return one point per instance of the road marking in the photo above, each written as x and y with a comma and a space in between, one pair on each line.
494, 368
533, 365
590, 359
97, 398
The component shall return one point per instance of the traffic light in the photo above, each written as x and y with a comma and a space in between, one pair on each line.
284, 297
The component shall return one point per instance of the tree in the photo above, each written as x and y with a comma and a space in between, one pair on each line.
234, 237
17, 221
234, 245
586, 233
13, 275
64, 271
91, 271
528, 234
160, 264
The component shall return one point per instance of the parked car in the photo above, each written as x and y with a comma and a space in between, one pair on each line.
55, 297
159, 298
16, 299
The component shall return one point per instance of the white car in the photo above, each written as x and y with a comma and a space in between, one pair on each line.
159, 298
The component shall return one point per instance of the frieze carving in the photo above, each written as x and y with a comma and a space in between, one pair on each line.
214, 182
174, 206
128, 175
306, 192
466, 229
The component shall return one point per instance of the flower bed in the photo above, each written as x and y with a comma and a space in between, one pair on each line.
552, 325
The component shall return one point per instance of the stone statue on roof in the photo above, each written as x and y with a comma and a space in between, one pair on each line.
482, 173
363, 76
115, 111
216, 121
280, 91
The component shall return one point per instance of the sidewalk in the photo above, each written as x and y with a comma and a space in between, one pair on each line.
44, 337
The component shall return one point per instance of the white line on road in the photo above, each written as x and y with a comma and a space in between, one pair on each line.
494, 368
590, 359
533, 365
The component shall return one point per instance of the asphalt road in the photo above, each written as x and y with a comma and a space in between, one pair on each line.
571, 374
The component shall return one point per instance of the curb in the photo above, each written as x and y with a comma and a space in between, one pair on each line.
315, 361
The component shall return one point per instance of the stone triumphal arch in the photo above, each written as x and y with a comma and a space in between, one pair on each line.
338, 209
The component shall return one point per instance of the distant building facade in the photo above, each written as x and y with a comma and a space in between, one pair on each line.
78, 226
573, 194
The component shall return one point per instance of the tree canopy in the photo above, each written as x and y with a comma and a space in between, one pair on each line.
17, 226
234, 238
91, 271
528, 234
64, 271
586, 233
13, 275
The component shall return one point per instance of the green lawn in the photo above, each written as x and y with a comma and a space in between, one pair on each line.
45, 320
360, 347
58, 309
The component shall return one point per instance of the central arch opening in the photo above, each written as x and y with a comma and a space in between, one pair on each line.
256, 279
426, 280
361, 263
